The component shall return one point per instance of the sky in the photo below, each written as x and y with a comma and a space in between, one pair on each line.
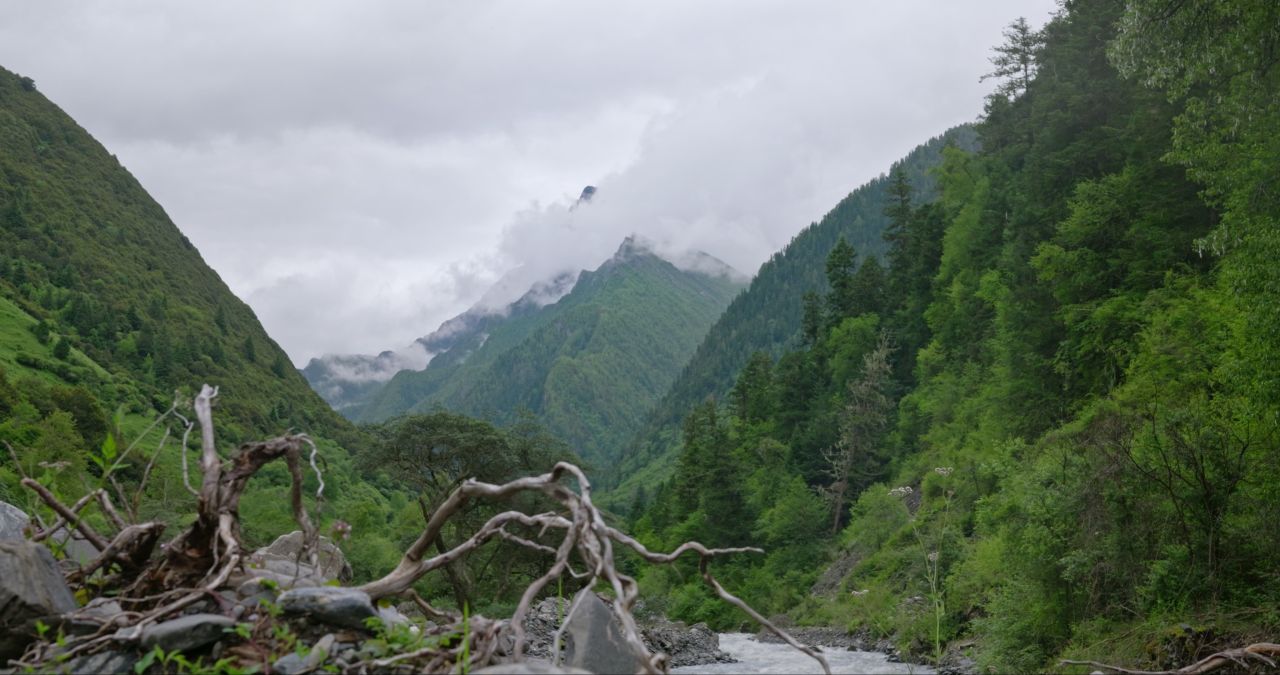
359, 172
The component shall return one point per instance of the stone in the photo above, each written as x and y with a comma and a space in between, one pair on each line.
102, 608
531, 667
31, 589
393, 617
684, 645
290, 664
283, 556
540, 626
321, 650
106, 663
334, 605
186, 633
12, 522
595, 641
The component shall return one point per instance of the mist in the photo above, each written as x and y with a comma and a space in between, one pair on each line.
361, 173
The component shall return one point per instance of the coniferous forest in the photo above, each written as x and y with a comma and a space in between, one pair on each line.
1046, 420
1016, 400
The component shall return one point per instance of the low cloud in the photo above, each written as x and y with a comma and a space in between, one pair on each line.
361, 172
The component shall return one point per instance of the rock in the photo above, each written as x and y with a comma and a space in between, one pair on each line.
595, 641
828, 583
686, 646
290, 664
818, 636
263, 583
540, 626
284, 556
393, 617
31, 589
186, 633
102, 608
531, 667
321, 650
12, 522
346, 607
106, 663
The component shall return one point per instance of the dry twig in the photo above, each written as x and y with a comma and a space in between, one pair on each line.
1254, 654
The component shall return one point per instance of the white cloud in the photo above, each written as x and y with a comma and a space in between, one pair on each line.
359, 172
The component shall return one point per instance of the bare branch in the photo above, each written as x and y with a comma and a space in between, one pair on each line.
109, 509
1259, 651
146, 473
209, 460
62, 522
70, 516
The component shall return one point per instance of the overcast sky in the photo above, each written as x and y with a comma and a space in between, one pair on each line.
359, 172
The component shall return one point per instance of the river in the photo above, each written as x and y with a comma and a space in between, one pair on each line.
763, 657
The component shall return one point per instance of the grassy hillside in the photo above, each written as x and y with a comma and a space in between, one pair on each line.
588, 366
86, 251
766, 317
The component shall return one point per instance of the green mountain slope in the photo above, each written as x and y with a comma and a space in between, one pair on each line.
86, 251
588, 366
766, 317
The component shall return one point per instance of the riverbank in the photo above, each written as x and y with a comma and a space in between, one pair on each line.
754, 655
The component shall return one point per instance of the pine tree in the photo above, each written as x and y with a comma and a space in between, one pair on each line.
868, 288
841, 265
1016, 59
811, 321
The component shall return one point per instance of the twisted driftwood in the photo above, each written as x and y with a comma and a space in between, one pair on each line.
200, 560
1246, 657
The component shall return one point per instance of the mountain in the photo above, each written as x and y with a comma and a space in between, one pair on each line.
766, 316
588, 365
349, 382
88, 257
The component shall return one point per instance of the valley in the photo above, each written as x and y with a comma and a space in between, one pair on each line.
1008, 406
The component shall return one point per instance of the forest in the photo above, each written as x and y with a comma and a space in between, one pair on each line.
1044, 422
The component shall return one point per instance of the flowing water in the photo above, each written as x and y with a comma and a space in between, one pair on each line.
764, 657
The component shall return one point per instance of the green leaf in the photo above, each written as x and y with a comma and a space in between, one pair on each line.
109, 448
145, 662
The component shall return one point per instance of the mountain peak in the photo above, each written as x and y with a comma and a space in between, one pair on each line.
632, 247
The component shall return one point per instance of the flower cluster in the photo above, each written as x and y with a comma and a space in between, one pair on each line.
901, 491
943, 470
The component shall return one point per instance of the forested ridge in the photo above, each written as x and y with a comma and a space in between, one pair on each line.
766, 316
1047, 428
587, 366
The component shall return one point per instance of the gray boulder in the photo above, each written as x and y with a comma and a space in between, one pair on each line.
530, 667
334, 605
595, 641
186, 633
284, 557
102, 663
31, 589
12, 522
685, 645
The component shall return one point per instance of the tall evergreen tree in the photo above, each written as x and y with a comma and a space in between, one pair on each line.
841, 266
868, 287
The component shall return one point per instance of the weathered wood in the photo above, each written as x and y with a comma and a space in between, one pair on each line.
1259, 652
